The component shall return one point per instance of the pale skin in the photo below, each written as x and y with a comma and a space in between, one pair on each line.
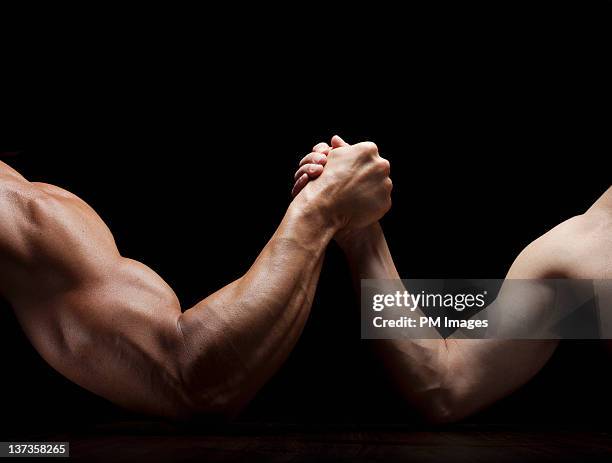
449, 379
113, 326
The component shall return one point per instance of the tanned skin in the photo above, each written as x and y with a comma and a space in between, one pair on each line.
113, 326
448, 379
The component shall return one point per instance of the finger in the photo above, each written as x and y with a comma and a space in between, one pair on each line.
321, 148
312, 170
314, 158
338, 142
301, 183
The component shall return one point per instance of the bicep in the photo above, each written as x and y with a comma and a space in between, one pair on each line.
105, 322
492, 368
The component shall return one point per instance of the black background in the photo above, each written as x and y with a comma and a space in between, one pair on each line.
497, 130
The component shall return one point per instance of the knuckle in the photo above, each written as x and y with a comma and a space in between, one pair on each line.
366, 149
387, 205
313, 158
384, 166
369, 147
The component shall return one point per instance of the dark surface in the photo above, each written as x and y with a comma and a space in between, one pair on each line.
156, 442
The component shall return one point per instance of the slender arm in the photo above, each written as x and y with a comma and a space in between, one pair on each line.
448, 379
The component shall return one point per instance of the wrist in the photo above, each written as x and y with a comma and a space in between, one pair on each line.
367, 253
310, 209
359, 241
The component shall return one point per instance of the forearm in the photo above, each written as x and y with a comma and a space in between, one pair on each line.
239, 336
419, 366
368, 255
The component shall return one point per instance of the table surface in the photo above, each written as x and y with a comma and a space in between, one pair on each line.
158, 442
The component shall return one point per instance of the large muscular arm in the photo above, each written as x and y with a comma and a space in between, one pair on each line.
113, 326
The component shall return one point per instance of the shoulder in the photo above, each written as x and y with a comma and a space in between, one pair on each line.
28, 207
563, 249
48, 232
17, 198
17, 191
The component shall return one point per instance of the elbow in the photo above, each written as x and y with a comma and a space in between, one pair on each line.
207, 386
210, 404
442, 406
212, 401
440, 414
223, 409
193, 407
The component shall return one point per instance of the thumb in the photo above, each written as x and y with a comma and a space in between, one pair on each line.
338, 142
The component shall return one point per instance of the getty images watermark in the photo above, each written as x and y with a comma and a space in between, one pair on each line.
486, 309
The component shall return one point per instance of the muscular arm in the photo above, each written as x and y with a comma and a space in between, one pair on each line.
115, 327
448, 379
